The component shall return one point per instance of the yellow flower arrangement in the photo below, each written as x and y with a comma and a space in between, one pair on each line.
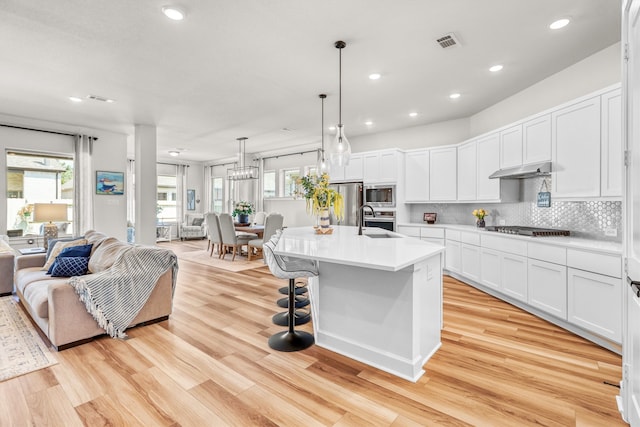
315, 189
480, 213
25, 212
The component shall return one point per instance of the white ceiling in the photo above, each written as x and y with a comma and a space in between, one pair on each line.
253, 67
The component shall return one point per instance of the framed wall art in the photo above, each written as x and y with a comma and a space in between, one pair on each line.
191, 200
109, 183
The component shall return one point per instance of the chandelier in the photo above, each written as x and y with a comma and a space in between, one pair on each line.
242, 172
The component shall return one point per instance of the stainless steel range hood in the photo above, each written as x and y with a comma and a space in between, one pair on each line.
525, 171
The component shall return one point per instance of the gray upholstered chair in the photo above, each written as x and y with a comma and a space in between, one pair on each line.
231, 239
290, 268
213, 231
193, 227
259, 218
271, 225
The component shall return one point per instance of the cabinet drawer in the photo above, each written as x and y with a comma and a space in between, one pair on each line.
453, 235
505, 244
610, 265
433, 240
548, 253
409, 231
470, 238
437, 233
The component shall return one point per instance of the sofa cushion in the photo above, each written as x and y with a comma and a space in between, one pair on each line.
58, 248
70, 266
36, 295
106, 254
73, 251
197, 222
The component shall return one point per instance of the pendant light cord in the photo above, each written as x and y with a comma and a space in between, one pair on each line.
322, 127
340, 86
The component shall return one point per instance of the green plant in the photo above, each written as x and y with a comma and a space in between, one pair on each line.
315, 189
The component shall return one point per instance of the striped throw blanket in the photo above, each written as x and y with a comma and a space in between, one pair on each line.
115, 296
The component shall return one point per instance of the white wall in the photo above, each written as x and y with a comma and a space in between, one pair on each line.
442, 133
595, 72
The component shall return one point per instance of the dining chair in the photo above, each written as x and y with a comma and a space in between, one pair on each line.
259, 218
231, 239
213, 230
272, 223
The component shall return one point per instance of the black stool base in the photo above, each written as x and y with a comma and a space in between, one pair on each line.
299, 303
282, 319
291, 341
299, 290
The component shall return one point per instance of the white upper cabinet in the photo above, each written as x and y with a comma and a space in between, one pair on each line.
511, 147
575, 140
488, 153
467, 171
612, 160
416, 176
536, 140
353, 171
443, 174
336, 173
381, 166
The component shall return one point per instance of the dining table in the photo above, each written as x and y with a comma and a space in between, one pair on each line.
250, 228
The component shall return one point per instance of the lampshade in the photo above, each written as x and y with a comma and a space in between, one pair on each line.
43, 212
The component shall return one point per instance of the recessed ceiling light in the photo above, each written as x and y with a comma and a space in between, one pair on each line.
496, 68
413, 114
454, 96
374, 76
173, 12
368, 123
174, 153
75, 99
560, 23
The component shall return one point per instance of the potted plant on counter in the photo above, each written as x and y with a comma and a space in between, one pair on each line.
320, 198
480, 214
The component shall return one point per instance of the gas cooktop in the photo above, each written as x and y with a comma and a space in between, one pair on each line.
527, 231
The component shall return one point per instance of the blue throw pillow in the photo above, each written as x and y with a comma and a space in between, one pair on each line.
72, 251
70, 266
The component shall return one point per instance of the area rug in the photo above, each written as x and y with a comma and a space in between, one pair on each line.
241, 263
21, 348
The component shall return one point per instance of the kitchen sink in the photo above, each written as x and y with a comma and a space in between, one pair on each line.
382, 236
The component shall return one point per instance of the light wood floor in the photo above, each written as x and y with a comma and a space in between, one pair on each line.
209, 365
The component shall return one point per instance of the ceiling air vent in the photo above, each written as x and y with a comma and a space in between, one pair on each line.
448, 40
99, 98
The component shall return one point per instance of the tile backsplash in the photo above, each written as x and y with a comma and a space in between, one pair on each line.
587, 219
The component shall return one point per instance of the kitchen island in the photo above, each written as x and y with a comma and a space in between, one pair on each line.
378, 298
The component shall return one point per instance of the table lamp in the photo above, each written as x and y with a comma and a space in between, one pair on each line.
43, 212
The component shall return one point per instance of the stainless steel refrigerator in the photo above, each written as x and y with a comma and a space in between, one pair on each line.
352, 195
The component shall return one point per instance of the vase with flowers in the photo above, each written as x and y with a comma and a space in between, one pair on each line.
480, 214
24, 214
320, 198
242, 210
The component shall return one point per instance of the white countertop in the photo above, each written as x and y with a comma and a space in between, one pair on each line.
345, 247
568, 242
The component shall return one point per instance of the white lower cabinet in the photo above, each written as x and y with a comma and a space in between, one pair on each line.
452, 257
490, 274
470, 261
595, 302
548, 287
514, 276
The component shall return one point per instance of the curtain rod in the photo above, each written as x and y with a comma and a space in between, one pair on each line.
289, 154
171, 164
42, 130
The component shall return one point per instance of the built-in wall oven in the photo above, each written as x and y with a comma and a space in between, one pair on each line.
383, 219
380, 196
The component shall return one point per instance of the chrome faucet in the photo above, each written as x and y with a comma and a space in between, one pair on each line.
361, 215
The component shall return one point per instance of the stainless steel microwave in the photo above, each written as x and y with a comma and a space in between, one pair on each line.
380, 195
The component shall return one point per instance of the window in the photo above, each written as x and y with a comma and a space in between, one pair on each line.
37, 178
217, 194
167, 192
269, 179
289, 181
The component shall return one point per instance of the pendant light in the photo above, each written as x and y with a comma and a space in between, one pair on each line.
242, 172
322, 166
339, 151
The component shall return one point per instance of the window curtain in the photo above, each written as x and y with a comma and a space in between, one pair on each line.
208, 189
83, 184
181, 190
